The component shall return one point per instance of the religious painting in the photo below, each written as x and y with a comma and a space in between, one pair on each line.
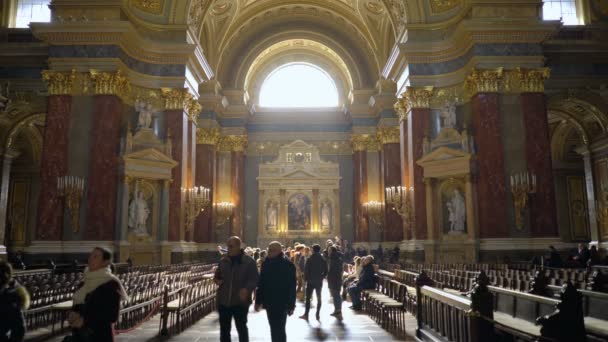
453, 209
298, 212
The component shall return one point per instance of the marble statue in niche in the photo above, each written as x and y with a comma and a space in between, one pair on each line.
271, 215
298, 212
145, 111
456, 213
448, 116
138, 213
326, 215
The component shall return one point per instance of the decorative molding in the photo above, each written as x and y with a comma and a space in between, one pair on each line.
175, 98
419, 97
108, 83
150, 6
439, 6
233, 143
532, 80
484, 81
365, 142
193, 109
207, 136
389, 135
59, 83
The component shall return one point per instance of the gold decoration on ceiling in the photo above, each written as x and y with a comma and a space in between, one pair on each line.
484, 81
108, 83
220, 9
150, 6
389, 135
374, 7
532, 80
59, 83
439, 6
207, 136
196, 12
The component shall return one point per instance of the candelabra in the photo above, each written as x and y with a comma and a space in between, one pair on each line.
223, 212
522, 185
71, 189
400, 198
196, 199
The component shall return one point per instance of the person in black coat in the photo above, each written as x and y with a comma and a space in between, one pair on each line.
97, 300
314, 272
366, 281
14, 299
276, 291
334, 279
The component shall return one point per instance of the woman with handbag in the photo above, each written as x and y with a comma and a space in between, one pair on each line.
97, 301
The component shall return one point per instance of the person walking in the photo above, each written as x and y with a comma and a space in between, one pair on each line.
237, 277
14, 299
314, 272
334, 279
276, 291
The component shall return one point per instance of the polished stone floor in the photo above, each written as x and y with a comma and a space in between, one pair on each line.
354, 327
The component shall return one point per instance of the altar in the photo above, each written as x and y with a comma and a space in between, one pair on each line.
299, 196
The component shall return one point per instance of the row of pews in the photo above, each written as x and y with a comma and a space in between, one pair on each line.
181, 293
463, 304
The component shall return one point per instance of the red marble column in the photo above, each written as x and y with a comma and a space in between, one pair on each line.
177, 126
191, 165
205, 174
237, 160
360, 179
391, 172
538, 157
491, 181
405, 168
103, 168
418, 126
54, 163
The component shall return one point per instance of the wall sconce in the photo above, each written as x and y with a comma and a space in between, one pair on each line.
196, 199
71, 188
522, 185
223, 212
400, 198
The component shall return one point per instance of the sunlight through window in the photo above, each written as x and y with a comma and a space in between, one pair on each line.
29, 11
298, 85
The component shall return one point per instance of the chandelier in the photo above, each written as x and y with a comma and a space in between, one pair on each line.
400, 198
71, 188
223, 212
196, 199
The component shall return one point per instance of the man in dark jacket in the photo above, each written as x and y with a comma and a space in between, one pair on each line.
314, 272
366, 281
237, 277
334, 279
276, 291
13, 300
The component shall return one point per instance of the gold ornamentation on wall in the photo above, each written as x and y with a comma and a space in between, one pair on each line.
108, 83
389, 135
233, 143
59, 83
439, 6
532, 80
193, 108
207, 136
196, 12
413, 97
150, 6
175, 98
364, 142
484, 81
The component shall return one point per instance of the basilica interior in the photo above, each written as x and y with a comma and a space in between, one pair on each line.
458, 131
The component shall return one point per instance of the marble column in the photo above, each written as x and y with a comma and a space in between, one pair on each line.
53, 164
404, 161
315, 226
205, 174
360, 191
238, 192
102, 184
7, 161
594, 225
391, 174
177, 127
543, 214
491, 180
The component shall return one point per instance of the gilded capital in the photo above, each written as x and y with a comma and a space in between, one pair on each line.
175, 98
532, 80
359, 142
59, 83
207, 136
484, 81
110, 83
412, 98
389, 135
401, 108
193, 108
233, 143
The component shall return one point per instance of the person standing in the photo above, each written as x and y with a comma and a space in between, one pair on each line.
276, 291
334, 279
314, 272
14, 299
97, 300
237, 276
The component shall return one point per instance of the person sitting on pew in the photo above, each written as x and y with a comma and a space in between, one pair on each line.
594, 257
367, 280
14, 299
582, 255
352, 277
555, 260
97, 300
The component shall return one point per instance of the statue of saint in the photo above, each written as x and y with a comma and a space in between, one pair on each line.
145, 114
326, 215
448, 115
138, 213
426, 146
457, 212
271, 215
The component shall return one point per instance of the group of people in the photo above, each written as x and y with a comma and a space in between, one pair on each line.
272, 279
583, 257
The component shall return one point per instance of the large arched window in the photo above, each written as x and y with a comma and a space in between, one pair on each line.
28, 11
298, 85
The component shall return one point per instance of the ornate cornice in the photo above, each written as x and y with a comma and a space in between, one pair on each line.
233, 143
207, 136
532, 80
110, 83
484, 81
59, 83
389, 135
